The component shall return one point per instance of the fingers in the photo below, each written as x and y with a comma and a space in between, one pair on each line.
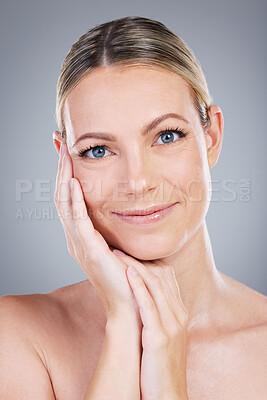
174, 295
61, 153
169, 282
94, 246
64, 195
171, 278
61, 165
148, 311
63, 201
65, 205
161, 283
83, 224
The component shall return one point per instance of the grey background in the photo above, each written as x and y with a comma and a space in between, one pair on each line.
229, 40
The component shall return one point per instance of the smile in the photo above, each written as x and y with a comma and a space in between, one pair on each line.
145, 219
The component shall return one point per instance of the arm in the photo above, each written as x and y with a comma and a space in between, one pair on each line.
117, 373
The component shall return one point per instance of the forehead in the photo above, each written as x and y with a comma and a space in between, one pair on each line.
134, 94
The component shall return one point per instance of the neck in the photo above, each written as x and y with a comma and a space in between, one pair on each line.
201, 285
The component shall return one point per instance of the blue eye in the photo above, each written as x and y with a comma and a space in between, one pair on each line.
169, 133
99, 150
168, 136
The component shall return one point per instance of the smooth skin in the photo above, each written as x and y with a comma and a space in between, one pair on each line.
74, 338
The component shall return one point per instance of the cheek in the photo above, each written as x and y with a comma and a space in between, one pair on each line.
196, 185
93, 185
188, 174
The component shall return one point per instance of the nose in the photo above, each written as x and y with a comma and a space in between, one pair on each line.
139, 174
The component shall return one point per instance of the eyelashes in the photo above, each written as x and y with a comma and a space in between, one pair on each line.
181, 132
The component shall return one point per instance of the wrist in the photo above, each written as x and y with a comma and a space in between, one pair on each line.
124, 320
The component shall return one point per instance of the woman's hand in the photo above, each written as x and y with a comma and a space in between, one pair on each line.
164, 332
87, 246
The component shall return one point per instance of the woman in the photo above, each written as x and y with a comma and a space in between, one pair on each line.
155, 319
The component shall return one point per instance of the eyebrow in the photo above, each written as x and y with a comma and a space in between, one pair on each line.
147, 128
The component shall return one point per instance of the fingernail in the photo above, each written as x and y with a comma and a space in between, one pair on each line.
119, 253
132, 270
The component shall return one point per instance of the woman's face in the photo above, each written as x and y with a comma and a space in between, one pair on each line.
140, 167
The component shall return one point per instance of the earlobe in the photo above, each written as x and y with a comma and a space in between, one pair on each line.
57, 138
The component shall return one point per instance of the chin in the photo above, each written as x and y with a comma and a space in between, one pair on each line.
157, 249
151, 245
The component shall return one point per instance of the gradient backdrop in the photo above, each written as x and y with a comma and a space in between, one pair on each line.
228, 38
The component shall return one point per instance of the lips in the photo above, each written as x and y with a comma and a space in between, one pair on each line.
144, 211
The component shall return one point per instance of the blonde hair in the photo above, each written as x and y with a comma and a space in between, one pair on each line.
131, 41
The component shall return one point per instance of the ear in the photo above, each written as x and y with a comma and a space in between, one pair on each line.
57, 138
214, 135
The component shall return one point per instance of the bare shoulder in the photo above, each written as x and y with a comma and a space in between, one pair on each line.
248, 306
37, 314
247, 351
80, 303
22, 370
38, 338
246, 345
252, 337
235, 354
